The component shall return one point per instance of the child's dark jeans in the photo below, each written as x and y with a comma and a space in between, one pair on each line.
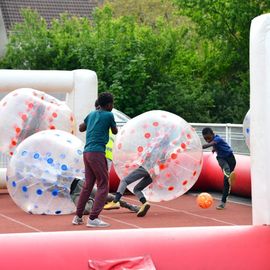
96, 171
227, 165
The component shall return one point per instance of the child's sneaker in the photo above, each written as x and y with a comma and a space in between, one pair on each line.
221, 206
232, 178
77, 220
97, 223
112, 205
143, 210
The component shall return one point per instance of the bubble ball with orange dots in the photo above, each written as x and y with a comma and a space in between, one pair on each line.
166, 146
26, 111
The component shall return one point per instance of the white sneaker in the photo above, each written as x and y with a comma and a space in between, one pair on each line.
96, 223
77, 220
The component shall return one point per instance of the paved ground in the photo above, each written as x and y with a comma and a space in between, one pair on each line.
182, 212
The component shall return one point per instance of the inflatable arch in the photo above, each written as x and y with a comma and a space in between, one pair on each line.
79, 85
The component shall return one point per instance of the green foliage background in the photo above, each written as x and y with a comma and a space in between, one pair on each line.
189, 57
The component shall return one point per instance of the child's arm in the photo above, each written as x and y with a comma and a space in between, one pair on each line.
82, 127
207, 145
114, 130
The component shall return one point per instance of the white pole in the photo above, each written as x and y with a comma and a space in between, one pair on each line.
82, 98
260, 118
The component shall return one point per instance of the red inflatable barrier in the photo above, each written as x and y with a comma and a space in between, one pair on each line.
114, 180
231, 247
211, 177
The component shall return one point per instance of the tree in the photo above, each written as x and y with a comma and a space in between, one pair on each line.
145, 67
223, 27
146, 11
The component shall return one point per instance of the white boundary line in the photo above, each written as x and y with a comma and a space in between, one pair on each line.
138, 227
123, 222
21, 223
195, 215
228, 200
192, 214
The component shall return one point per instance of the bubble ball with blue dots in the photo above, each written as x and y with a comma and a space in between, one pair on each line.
246, 128
40, 172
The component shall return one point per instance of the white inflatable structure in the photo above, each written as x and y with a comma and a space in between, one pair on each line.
260, 117
81, 89
79, 85
249, 244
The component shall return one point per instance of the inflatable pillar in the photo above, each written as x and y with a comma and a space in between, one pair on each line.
260, 117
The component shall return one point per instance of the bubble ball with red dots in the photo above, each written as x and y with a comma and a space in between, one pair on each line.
26, 111
41, 170
166, 146
246, 128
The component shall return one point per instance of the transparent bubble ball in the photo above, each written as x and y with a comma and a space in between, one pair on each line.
246, 128
40, 172
26, 111
166, 146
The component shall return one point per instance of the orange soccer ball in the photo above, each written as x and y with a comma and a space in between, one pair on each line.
205, 200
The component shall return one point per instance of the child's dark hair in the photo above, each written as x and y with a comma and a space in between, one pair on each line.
96, 103
104, 99
207, 130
